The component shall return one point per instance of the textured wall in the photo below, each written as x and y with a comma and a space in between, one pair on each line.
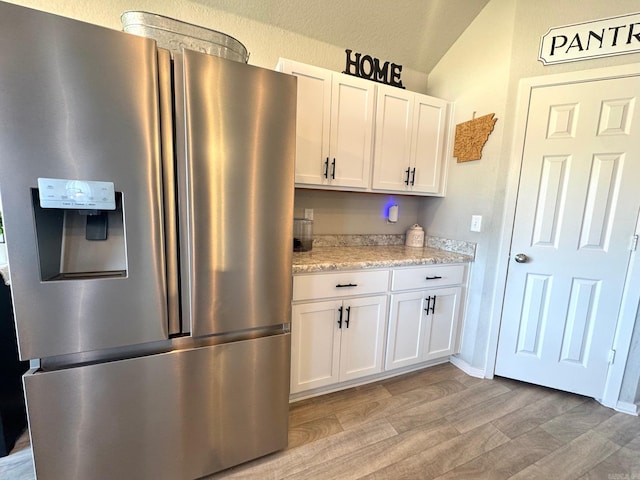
481, 73
356, 213
474, 74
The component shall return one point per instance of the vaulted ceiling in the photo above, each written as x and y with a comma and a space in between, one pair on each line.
412, 33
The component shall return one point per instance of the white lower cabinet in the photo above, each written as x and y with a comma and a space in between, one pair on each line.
337, 340
339, 330
423, 326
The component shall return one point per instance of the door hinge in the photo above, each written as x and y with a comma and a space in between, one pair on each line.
612, 356
634, 243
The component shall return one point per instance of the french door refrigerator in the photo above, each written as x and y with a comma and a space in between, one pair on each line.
147, 205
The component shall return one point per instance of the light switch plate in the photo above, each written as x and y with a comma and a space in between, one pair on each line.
476, 223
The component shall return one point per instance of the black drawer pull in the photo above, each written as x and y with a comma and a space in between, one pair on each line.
344, 285
340, 319
348, 316
433, 278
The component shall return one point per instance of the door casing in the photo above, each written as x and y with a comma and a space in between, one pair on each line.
631, 296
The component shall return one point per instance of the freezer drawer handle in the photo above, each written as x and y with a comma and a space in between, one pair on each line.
340, 318
345, 285
436, 277
348, 316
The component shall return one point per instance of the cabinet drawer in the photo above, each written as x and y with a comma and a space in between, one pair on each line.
336, 285
425, 277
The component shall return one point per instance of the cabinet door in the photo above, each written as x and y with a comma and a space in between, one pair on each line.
362, 344
312, 121
406, 330
391, 157
315, 345
427, 145
441, 334
351, 139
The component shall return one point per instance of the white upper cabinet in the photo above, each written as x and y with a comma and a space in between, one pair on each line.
410, 136
394, 120
334, 133
353, 134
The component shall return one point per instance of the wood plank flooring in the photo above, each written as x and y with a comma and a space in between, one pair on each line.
439, 423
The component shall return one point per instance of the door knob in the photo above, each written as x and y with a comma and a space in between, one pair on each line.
521, 258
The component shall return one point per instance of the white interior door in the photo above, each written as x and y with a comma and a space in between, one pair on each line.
577, 206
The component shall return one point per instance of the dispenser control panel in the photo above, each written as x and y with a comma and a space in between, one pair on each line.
76, 194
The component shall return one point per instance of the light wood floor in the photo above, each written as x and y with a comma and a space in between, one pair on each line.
440, 423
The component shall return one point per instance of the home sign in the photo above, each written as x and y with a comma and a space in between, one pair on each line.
599, 38
365, 66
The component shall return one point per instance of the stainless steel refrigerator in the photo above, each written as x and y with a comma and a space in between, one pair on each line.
147, 206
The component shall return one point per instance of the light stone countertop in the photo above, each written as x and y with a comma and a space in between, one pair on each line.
324, 259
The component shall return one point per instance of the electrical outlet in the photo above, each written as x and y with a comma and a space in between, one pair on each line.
308, 213
476, 223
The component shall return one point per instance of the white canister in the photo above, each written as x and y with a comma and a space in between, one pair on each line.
415, 236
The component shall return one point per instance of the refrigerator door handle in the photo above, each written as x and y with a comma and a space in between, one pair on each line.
169, 190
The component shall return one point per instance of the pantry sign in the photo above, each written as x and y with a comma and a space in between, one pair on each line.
599, 38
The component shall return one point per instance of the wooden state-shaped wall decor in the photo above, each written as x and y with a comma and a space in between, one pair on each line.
471, 137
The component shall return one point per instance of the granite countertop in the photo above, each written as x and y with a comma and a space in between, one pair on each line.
321, 259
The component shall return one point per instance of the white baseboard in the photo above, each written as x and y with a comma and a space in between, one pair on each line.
466, 368
627, 407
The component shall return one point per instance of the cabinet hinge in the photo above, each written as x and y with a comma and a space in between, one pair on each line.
612, 356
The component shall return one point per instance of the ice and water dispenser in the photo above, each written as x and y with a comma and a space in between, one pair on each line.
80, 229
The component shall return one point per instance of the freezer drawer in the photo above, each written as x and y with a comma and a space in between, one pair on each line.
179, 415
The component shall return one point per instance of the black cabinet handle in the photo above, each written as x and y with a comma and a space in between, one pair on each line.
345, 285
348, 316
413, 176
326, 168
406, 182
333, 168
436, 277
340, 319
431, 307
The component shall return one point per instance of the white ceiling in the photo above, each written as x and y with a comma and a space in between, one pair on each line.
412, 33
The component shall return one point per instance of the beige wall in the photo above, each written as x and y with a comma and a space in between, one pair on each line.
355, 213
474, 74
481, 73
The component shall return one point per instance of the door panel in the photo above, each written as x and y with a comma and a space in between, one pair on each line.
237, 175
576, 213
315, 345
406, 330
428, 142
362, 344
313, 117
392, 152
351, 138
87, 110
441, 329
